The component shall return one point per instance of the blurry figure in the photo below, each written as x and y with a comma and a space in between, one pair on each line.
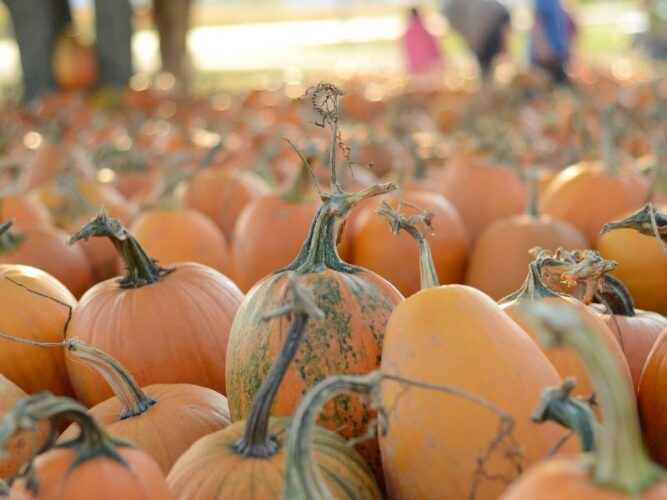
37, 25
551, 39
654, 40
484, 25
422, 55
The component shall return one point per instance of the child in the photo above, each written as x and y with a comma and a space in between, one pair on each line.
422, 55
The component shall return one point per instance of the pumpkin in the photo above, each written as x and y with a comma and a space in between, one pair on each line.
74, 63
180, 235
565, 362
455, 335
247, 459
396, 258
44, 248
166, 325
587, 195
21, 447
161, 419
642, 266
356, 304
25, 210
34, 306
651, 400
221, 194
471, 185
91, 465
635, 330
501, 254
283, 219
619, 468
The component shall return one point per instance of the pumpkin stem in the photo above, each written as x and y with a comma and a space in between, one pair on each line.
9, 239
398, 221
609, 156
558, 405
533, 287
140, 269
616, 297
303, 479
647, 221
92, 442
532, 207
620, 461
256, 441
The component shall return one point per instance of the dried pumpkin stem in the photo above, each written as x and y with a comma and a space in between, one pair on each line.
532, 207
609, 155
140, 268
92, 442
256, 441
9, 239
620, 462
124, 386
558, 405
533, 287
397, 221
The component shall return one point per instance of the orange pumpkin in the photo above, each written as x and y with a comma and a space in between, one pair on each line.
619, 467
34, 306
221, 194
472, 186
74, 63
166, 325
501, 255
247, 459
23, 446
161, 419
181, 235
25, 210
91, 465
44, 248
434, 445
397, 258
642, 267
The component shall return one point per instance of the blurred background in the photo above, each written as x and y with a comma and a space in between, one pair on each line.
235, 44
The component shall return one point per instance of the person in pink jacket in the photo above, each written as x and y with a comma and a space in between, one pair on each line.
420, 48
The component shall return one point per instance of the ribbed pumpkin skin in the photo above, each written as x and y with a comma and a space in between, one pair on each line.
636, 335
99, 478
566, 362
211, 469
396, 258
473, 188
182, 414
221, 194
29, 316
642, 267
172, 331
21, 447
26, 211
587, 197
456, 335
347, 341
268, 234
500, 258
651, 398
569, 479
44, 248
171, 236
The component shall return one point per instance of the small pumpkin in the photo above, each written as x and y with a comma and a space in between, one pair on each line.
166, 325
25, 210
91, 465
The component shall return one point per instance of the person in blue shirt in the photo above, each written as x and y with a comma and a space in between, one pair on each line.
551, 38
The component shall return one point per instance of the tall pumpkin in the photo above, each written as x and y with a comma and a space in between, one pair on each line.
620, 467
356, 304
455, 335
93, 465
34, 306
247, 459
166, 325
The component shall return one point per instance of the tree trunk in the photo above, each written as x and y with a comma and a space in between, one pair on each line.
172, 18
